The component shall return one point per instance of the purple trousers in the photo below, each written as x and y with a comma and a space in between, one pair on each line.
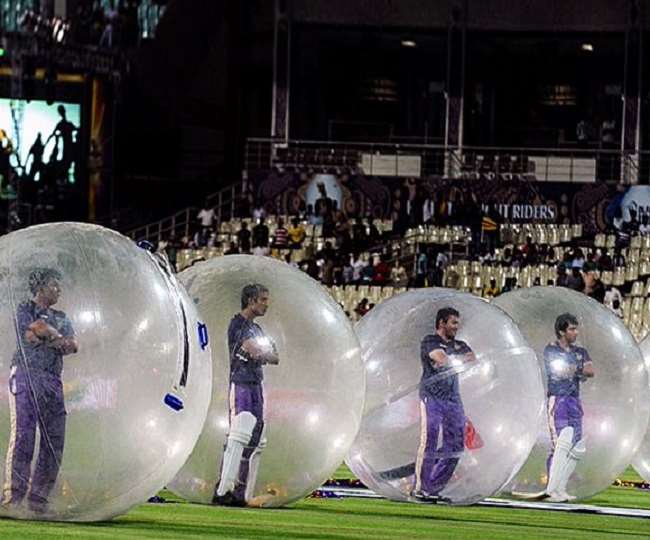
435, 465
249, 398
35, 400
563, 411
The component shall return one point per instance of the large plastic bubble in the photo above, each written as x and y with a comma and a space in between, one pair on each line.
615, 402
501, 392
104, 385
641, 461
313, 398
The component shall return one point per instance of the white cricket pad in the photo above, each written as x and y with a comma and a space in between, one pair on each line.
239, 436
560, 474
253, 467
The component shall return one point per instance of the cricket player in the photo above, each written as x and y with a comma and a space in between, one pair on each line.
443, 357
567, 365
45, 335
250, 349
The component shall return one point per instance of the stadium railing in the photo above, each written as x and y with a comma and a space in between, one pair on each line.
182, 223
421, 160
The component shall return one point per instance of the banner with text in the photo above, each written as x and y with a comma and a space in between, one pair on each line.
593, 205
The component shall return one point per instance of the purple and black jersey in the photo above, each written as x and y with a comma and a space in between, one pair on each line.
36, 391
440, 382
38, 356
243, 368
557, 358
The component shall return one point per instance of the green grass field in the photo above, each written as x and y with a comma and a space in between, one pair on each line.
351, 518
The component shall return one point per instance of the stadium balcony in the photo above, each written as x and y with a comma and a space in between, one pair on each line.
423, 160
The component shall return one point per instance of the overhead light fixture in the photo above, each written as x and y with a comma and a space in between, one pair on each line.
409, 43
588, 47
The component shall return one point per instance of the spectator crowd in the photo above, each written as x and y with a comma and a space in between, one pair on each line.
353, 251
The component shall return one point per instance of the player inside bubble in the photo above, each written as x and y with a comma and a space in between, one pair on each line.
596, 394
288, 384
250, 349
45, 336
106, 377
441, 407
567, 365
444, 372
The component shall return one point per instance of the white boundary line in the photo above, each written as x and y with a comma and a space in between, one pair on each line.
503, 503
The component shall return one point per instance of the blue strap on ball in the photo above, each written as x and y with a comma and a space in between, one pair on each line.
146, 245
173, 402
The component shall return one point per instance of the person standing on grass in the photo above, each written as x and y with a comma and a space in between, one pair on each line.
441, 407
566, 365
45, 336
250, 349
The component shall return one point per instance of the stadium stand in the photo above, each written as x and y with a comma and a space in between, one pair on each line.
527, 254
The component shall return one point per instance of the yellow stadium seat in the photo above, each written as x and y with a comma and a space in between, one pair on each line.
477, 283
619, 276
387, 292
637, 289
632, 271
375, 294
363, 291
565, 233
645, 242
644, 268
607, 277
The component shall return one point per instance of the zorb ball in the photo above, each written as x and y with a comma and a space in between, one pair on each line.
288, 384
597, 401
451, 408
641, 461
104, 378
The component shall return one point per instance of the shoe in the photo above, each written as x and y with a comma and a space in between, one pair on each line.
559, 497
9, 506
530, 496
37, 507
228, 499
431, 498
13, 502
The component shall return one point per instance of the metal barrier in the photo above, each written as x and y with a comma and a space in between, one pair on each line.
225, 201
420, 160
382, 159
179, 224
540, 164
182, 223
